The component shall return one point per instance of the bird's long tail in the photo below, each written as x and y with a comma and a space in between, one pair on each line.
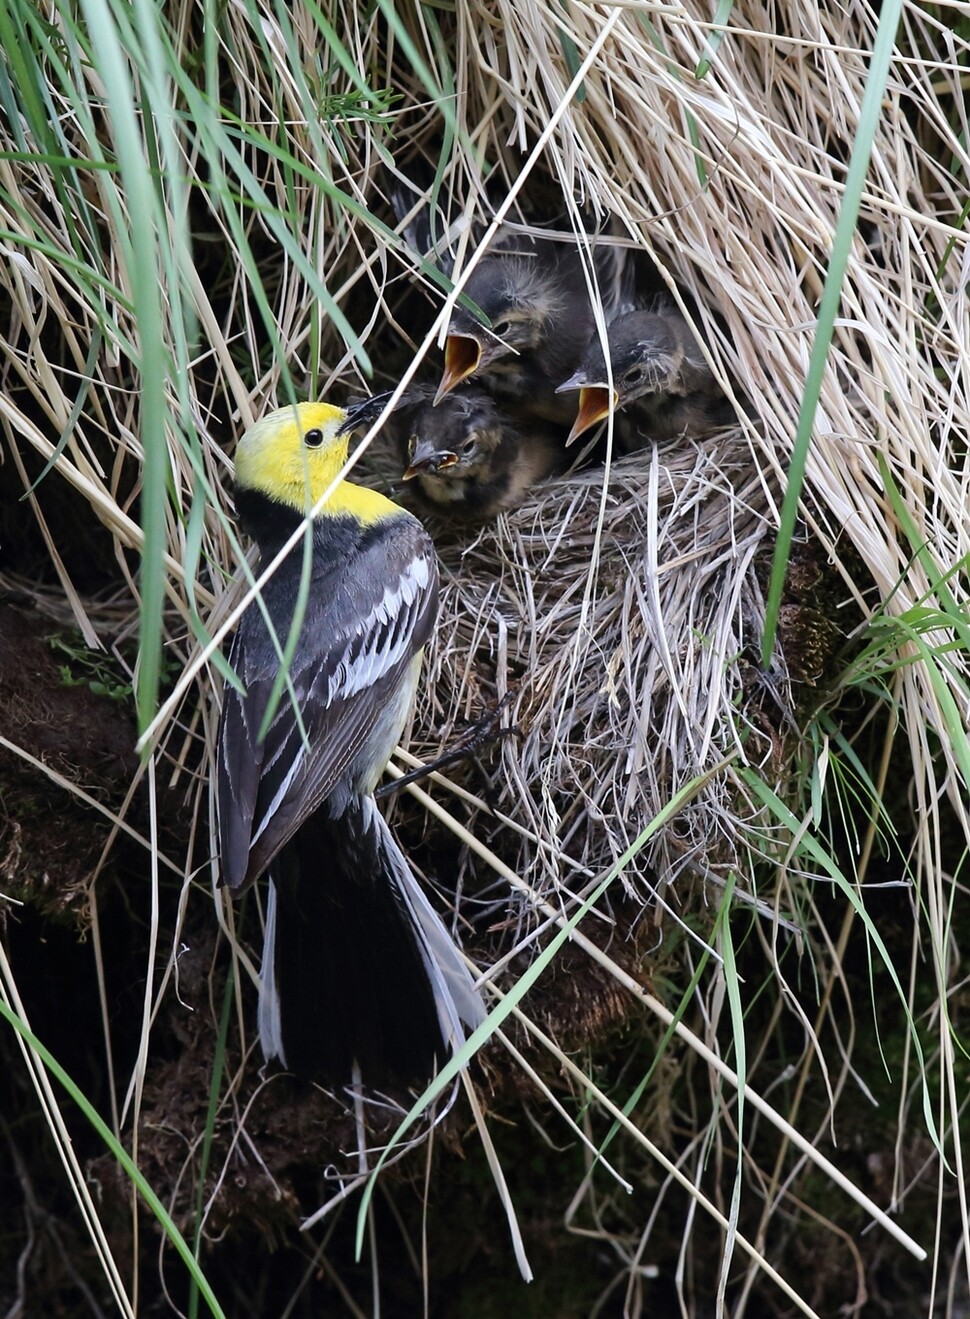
357, 965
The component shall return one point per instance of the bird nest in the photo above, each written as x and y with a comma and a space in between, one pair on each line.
618, 615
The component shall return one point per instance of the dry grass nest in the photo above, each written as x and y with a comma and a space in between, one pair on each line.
618, 617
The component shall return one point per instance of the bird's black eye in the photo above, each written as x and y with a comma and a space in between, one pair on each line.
469, 444
502, 328
313, 439
634, 375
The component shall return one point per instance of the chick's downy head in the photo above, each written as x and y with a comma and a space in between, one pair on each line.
454, 438
521, 298
646, 355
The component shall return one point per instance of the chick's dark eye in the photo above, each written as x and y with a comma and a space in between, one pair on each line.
313, 439
634, 375
502, 328
469, 444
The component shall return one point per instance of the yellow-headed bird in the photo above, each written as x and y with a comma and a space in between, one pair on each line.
357, 966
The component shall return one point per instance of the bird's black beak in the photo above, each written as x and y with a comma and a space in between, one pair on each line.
363, 413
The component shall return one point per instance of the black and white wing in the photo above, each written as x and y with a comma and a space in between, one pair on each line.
370, 609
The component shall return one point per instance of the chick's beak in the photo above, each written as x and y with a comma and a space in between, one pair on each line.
362, 414
595, 403
463, 355
426, 458
575, 381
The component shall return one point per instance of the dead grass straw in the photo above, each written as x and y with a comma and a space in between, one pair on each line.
622, 608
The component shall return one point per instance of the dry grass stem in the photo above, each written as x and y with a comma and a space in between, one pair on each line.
621, 607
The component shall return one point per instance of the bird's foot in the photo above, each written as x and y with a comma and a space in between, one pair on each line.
474, 739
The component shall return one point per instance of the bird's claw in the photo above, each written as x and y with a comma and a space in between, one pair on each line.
467, 747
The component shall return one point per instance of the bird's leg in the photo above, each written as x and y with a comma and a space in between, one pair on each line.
472, 740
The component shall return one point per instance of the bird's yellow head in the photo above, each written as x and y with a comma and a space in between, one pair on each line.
294, 454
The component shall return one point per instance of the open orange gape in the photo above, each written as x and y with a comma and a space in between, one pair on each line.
463, 355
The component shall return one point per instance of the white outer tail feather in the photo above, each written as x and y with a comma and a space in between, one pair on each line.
270, 1028
456, 998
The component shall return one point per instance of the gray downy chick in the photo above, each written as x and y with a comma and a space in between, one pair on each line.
662, 386
535, 295
468, 460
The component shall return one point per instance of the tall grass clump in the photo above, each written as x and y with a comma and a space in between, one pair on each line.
715, 884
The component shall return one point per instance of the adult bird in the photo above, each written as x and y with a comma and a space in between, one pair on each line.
467, 460
658, 384
359, 972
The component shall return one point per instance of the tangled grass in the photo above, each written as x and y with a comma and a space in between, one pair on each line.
194, 230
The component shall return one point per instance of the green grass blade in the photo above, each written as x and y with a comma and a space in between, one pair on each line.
119, 1153
869, 113
821, 858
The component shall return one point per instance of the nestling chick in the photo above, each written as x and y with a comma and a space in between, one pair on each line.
534, 293
661, 382
466, 459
